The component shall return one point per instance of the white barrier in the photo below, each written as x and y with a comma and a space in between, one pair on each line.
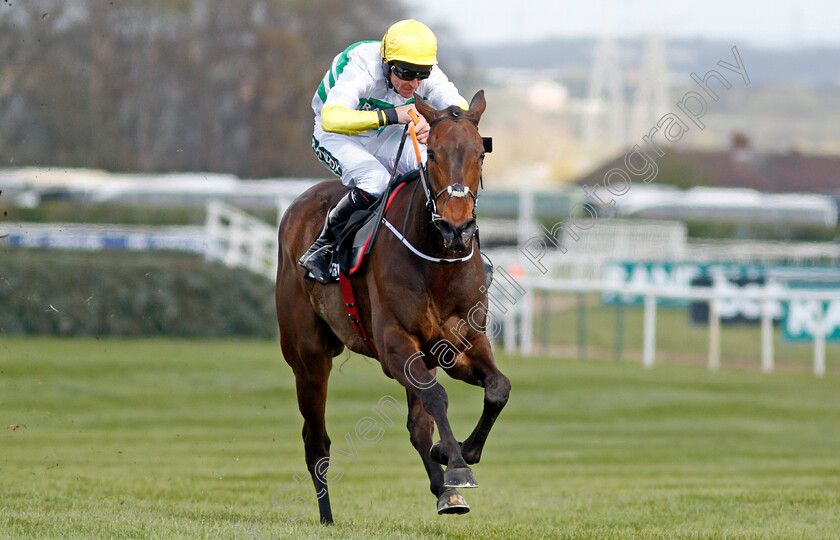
651, 295
240, 240
97, 237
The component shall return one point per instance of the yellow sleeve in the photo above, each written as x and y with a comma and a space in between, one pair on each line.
463, 105
339, 119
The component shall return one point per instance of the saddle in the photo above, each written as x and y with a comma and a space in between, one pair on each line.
358, 236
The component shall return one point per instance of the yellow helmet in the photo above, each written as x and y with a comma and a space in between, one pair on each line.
410, 41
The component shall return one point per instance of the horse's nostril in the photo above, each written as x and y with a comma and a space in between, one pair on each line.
467, 230
448, 230
456, 237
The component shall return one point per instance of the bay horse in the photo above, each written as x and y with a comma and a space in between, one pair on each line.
411, 308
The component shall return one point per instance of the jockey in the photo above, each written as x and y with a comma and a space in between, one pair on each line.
365, 94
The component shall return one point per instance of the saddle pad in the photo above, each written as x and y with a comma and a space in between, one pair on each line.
357, 236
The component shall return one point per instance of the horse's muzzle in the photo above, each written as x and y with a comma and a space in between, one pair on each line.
457, 238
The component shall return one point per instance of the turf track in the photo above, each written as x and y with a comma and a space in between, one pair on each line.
190, 439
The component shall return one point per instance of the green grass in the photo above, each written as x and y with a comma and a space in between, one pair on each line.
190, 439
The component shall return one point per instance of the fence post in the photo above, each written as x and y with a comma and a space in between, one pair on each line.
527, 214
819, 340
255, 240
766, 337
714, 335
650, 331
237, 238
526, 323
211, 231
510, 329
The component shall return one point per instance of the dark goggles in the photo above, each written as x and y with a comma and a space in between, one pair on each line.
407, 74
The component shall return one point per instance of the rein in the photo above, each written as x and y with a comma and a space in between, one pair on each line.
422, 255
380, 212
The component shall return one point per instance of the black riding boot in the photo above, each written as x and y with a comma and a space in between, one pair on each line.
317, 259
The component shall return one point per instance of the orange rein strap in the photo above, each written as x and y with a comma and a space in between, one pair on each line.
427, 188
414, 117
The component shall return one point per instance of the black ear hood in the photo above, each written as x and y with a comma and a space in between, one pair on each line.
386, 71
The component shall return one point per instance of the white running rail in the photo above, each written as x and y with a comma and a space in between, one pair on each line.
714, 297
238, 239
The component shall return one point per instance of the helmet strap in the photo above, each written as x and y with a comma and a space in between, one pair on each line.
386, 68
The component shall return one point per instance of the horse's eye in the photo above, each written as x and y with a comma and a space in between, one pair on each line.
481, 158
430, 155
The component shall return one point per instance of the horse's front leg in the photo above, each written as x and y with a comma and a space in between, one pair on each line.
402, 360
477, 367
421, 428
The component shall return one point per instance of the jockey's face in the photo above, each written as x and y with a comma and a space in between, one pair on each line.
404, 88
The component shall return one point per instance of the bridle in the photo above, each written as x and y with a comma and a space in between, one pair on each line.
452, 190
458, 191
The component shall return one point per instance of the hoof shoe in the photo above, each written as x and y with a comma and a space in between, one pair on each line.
461, 477
452, 502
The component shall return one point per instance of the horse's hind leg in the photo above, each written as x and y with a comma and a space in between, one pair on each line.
421, 429
309, 346
312, 398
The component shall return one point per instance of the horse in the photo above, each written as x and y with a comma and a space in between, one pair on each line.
414, 310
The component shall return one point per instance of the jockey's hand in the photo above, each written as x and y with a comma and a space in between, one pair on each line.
422, 127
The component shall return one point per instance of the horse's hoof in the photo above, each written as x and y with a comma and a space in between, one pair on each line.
462, 477
452, 502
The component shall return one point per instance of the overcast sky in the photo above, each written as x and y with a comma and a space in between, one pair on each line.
778, 23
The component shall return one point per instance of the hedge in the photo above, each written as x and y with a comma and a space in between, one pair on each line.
69, 293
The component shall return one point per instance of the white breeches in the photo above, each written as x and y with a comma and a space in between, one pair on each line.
365, 161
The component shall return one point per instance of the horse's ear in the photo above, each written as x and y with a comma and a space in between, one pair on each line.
428, 112
477, 105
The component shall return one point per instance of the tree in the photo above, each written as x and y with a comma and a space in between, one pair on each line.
164, 85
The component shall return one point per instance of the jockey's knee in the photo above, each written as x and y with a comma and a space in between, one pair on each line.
371, 178
361, 199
